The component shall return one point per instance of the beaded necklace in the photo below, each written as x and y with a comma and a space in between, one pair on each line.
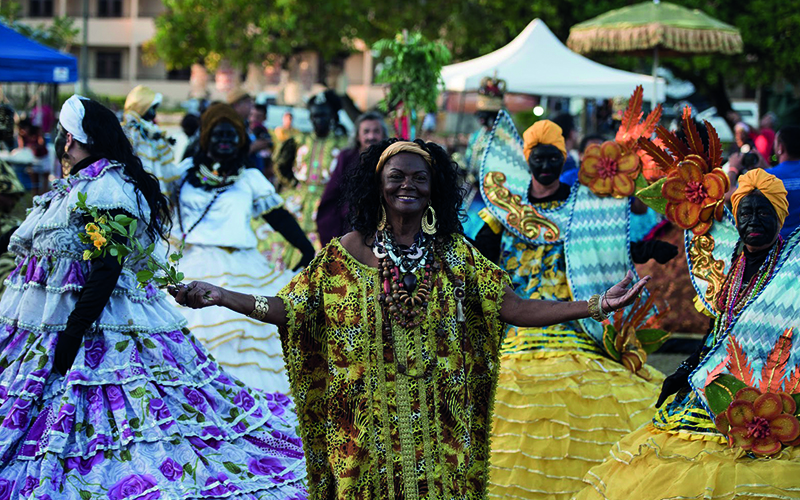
405, 306
735, 294
218, 192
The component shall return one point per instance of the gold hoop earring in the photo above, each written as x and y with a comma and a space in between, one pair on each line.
429, 226
382, 221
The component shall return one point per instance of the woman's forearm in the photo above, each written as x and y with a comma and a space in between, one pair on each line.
245, 304
537, 313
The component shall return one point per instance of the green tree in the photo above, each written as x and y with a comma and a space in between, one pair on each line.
242, 31
60, 34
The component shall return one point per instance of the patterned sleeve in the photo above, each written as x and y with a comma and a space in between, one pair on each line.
486, 283
265, 198
305, 353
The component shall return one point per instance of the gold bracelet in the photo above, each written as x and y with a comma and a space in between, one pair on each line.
261, 309
596, 310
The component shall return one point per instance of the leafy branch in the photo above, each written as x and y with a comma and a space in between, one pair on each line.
102, 234
412, 68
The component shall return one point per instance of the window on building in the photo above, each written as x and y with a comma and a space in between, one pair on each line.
40, 8
109, 8
183, 74
109, 65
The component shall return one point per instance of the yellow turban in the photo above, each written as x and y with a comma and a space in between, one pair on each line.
141, 99
544, 132
769, 185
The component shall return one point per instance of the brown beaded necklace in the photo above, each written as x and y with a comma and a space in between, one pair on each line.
406, 305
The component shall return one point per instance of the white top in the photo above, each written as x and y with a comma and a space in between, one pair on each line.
227, 222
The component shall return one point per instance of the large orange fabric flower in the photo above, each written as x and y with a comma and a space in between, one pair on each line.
609, 170
695, 196
760, 423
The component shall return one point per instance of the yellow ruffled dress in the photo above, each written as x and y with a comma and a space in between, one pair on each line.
681, 456
560, 403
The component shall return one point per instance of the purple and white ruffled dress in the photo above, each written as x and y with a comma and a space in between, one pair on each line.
145, 413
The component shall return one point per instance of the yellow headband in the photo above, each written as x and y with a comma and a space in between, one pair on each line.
402, 147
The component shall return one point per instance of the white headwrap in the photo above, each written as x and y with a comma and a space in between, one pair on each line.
71, 118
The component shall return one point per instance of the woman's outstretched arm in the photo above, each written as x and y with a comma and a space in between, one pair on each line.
199, 294
536, 313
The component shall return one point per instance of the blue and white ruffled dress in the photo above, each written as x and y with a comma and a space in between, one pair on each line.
145, 412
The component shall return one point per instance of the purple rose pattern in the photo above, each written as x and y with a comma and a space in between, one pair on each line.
6, 488
195, 398
17, 418
94, 351
265, 466
175, 336
30, 484
135, 484
171, 469
244, 400
65, 418
222, 486
84, 465
116, 398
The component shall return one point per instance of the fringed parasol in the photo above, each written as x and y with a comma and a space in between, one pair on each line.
658, 27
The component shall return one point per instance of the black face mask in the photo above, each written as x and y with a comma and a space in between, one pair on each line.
757, 220
150, 115
546, 162
486, 118
223, 144
60, 143
321, 120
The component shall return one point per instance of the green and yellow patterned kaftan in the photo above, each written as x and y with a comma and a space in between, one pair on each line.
368, 430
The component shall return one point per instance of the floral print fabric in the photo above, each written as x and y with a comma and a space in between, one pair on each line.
145, 413
540, 272
370, 431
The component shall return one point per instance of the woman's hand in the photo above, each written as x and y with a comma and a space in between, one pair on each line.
197, 294
619, 295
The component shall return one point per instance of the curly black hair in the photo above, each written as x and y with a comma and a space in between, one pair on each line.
363, 190
110, 142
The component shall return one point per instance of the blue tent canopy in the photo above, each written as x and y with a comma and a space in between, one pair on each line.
23, 60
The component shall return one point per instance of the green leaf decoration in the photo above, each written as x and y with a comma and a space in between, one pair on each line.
89, 430
720, 392
232, 468
652, 338
609, 336
43, 362
125, 455
188, 408
144, 276
138, 393
118, 227
134, 422
149, 344
121, 345
652, 197
85, 495
187, 467
641, 182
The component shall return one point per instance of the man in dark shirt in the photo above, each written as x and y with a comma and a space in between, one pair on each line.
332, 214
787, 149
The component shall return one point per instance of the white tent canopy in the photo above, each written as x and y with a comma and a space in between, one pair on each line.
536, 62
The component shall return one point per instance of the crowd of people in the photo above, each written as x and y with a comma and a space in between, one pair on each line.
367, 318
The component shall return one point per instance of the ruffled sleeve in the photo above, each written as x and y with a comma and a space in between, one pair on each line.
305, 351
265, 198
106, 188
